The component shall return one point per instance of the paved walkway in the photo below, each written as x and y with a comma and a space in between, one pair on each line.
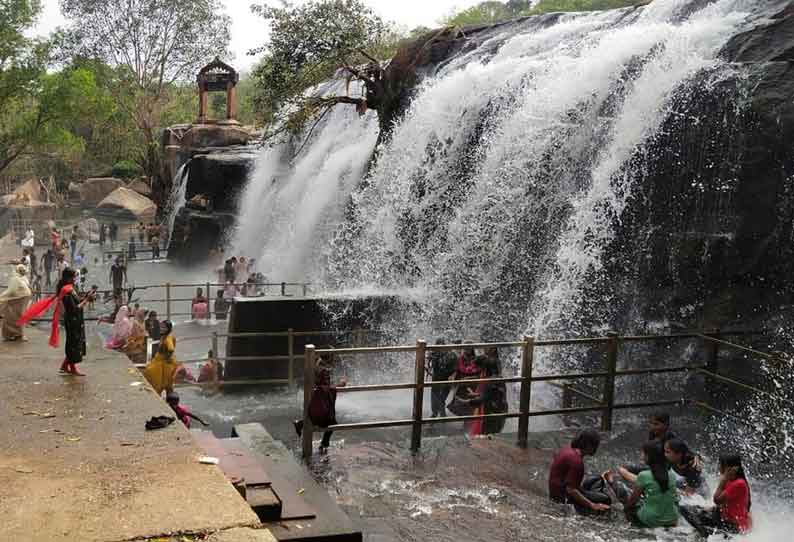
77, 464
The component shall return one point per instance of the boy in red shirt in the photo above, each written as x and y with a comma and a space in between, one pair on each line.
732, 497
567, 473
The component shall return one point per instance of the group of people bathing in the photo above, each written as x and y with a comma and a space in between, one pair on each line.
649, 492
238, 278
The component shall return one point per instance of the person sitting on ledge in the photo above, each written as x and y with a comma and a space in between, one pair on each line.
199, 306
566, 476
221, 306
686, 464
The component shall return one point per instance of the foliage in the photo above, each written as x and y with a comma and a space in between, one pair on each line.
493, 11
308, 43
126, 169
150, 45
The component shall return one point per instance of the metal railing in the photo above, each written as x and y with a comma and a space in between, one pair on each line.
606, 404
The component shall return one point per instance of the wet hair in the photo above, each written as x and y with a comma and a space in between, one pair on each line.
654, 457
678, 446
440, 340
169, 326
67, 277
735, 460
663, 417
172, 397
587, 439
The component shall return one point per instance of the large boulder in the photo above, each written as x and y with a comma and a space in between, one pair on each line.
93, 191
130, 202
141, 188
214, 135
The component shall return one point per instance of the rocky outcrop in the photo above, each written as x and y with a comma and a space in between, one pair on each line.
214, 135
196, 233
124, 200
93, 191
141, 187
221, 176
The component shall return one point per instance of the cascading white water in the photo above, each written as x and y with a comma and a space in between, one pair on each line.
176, 200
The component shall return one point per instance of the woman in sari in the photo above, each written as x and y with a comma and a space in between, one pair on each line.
161, 370
13, 303
491, 397
135, 348
67, 301
122, 328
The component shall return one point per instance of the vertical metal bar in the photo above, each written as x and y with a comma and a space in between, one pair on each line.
419, 394
609, 381
209, 300
168, 300
305, 289
283, 288
291, 353
525, 398
215, 344
308, 386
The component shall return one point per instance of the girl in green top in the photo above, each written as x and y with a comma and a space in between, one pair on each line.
654, 501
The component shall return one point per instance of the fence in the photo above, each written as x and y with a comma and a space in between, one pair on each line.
606, 404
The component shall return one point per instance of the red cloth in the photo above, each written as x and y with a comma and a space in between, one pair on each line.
567, 470
183, 413
467, 367
43, 306
736, 508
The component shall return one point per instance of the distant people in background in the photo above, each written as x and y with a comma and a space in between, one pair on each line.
29, 240
102, 235
181, 411
211, 372
567, 474
241, 269
122, 327
466, 369
230, 291
118, 276
141, 232
221, 306
14, 302
229, 269
161, 370
108, 237
653, 502
199, 306
659, 432
114, 232
55, 239
155, 244
83, 278
131, 250
441, 367
732, 499
48, 262
61, 264
183, 374
73, 243
79, 260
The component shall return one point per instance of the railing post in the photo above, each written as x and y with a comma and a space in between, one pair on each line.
308, 387
209, 302
168, 300
283, 289
215, 345
419, 394
291, 353
525, 398
305, 289
609, 381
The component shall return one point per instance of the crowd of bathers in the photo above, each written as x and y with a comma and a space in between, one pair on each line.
650, 491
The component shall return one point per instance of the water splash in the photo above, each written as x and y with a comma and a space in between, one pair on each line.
177, 198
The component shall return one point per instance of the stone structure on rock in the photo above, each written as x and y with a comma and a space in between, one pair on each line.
217, 159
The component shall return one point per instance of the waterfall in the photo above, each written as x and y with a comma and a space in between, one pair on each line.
176, 200
501, 186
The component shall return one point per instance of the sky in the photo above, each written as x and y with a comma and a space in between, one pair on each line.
248, 30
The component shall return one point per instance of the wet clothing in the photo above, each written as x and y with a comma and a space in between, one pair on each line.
161, 370
221, 308
74, 325
492, 400
153, 328
183, 413
658, 508
567, 470
442, 367
692, 477
731, 517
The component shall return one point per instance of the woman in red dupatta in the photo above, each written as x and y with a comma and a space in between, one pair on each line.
66, 300
491, 397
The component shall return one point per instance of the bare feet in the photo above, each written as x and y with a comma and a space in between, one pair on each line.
65, 368
73, 370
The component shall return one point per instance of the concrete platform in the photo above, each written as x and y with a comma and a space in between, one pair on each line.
77, 464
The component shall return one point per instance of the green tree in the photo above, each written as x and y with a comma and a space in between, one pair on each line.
151, 46
308, 44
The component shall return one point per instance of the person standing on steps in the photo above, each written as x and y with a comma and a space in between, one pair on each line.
66, 300
442, 367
